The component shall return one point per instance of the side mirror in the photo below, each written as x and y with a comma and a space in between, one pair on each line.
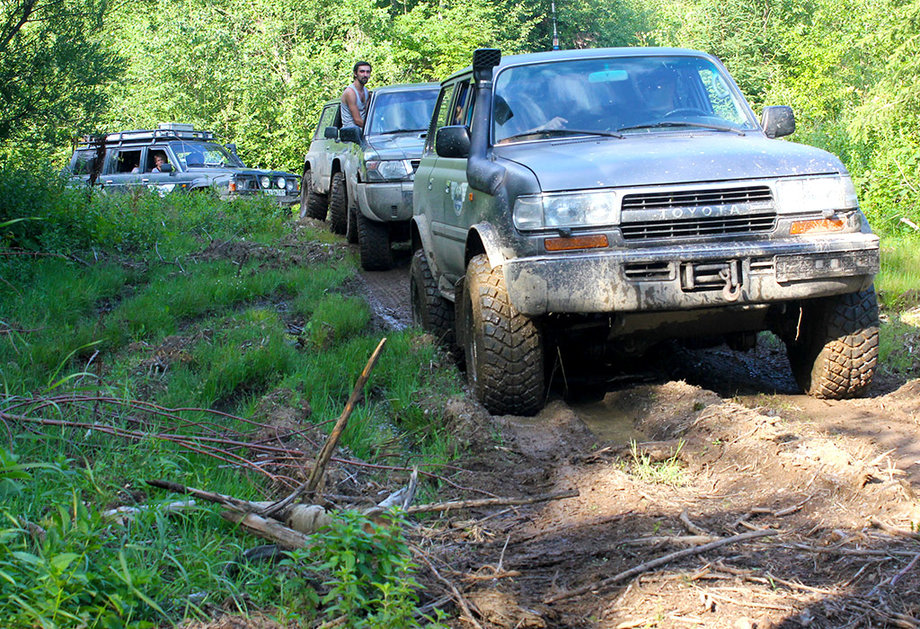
166, 168
331, 133
350, 134
778, 121
231, 147
452, 141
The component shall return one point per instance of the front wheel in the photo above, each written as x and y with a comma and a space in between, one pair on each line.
502, 347
833, 344
338, 204
374, 244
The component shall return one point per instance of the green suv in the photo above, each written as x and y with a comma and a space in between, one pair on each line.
579, 204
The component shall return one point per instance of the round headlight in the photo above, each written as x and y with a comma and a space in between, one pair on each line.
266, 181
280, 182
291, 185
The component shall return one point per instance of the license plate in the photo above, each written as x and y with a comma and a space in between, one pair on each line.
818, 266
275, 192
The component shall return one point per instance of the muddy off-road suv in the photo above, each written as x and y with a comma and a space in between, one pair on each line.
364, 179
574, 206
175, 157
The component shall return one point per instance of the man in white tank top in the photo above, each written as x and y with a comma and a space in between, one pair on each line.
355, 96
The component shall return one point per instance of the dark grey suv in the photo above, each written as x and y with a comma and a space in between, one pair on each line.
588, 203
175, 157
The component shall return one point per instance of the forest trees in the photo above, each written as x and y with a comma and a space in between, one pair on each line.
53, 71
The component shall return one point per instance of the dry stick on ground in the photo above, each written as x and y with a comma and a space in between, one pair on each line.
893, 529
326, 453
490, 502
648, 565
269, 529
461, 601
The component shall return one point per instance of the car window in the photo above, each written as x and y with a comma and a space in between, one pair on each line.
123, 161
402, 111
82, 162
326, 119
442, 116
615, 95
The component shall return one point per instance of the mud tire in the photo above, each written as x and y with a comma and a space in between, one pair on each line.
430, 310
837, 350
312, 203
503, 348
351, 230
338, 204
374, 244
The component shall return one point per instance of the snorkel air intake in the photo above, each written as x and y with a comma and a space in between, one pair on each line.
482, 173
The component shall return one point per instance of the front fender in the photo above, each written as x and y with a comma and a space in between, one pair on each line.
483, 238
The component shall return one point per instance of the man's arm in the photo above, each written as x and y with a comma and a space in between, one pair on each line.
351, 101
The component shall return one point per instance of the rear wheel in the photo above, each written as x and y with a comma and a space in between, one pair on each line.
833, 344
502, 347
430, 310
374, 244
338, 204
312, 203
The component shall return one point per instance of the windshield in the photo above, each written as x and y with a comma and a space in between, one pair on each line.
615, 96
402, 111
204, 155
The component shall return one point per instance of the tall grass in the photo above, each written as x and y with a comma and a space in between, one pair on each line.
129, 297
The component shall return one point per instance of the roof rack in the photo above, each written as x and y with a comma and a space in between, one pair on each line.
166, 131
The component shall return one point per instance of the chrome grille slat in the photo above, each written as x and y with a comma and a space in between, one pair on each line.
683, 214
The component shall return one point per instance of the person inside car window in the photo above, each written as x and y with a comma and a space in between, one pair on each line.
159, 159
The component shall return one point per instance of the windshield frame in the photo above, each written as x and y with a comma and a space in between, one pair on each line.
615, 70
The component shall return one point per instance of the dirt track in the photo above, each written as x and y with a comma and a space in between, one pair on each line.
825, 479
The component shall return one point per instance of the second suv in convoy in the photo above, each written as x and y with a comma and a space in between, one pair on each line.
175, 157
584, 203
363, 180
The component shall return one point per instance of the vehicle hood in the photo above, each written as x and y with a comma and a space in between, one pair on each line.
255, 172
665, 159
397, 145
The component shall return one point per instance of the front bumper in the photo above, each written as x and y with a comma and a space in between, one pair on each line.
678, 277
385, 201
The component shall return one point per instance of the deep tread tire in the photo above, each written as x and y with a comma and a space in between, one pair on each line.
374, 244
430, 310
338, 204
503, 348
351, 230
837, 350
312, 203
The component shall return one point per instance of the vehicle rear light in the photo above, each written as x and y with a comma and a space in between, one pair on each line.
817, 226
576, 242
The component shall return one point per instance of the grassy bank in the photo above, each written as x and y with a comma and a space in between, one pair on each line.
203, 343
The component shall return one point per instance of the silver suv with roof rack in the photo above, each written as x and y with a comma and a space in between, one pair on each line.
363, 179
175, 157
578, 206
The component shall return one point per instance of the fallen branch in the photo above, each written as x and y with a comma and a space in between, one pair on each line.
269, 529
893, 529
490, 502
322, 459
458, 597
648, 565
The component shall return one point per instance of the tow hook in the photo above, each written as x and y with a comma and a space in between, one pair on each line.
732, 289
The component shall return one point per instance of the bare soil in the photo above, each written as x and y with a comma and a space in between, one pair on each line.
724, 445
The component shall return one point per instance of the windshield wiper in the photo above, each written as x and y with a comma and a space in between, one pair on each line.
563, 132
401, 131
671, 124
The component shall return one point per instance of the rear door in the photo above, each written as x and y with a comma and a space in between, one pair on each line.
326, 148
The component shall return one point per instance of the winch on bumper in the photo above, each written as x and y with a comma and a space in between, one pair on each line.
678, 277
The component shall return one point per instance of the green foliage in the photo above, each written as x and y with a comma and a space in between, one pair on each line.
368, 571
668, 472
52, 69
335, 319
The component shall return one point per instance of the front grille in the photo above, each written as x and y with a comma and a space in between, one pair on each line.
647, 271
697, 213
244, 182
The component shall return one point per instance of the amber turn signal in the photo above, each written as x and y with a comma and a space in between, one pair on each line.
577, 242
817, 226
